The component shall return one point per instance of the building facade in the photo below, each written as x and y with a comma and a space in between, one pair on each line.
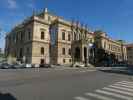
130, 53
46, 38
109, 50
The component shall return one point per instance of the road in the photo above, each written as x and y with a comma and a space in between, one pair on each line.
64, 84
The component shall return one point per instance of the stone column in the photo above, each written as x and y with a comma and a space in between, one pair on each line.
82, 54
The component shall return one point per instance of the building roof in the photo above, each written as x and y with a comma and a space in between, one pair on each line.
129, 45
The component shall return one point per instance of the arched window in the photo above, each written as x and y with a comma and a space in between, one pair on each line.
42, 35
42, 50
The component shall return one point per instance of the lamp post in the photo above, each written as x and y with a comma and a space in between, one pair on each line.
89, 45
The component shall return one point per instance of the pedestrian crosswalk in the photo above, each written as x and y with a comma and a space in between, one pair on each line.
122, 90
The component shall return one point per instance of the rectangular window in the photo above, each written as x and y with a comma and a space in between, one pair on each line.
42, 35
69, 60
42, 61
27, 51
63, 51
63, 35
29, 34
69, 37
42, 51
64, 60
69, 51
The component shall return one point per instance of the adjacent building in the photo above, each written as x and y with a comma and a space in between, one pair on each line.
109, 50
130, 53
47, 38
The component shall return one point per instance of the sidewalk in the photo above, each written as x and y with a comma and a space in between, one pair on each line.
68, 67
120, 70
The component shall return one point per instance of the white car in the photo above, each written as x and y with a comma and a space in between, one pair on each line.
28, 65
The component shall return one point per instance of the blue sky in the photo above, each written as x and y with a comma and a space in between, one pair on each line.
112, 16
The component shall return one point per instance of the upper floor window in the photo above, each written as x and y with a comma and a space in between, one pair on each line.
69, 37
63, 35
63, 51
42, 50
27, 50
69, 51
29, 34
42, 35
104, 44
75, 36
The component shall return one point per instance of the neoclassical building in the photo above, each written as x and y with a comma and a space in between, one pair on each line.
130, 53
47, 38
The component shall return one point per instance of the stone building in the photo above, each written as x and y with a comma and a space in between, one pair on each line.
47, 38
113, 50
130, 53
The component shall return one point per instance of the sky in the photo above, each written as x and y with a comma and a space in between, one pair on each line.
114, 17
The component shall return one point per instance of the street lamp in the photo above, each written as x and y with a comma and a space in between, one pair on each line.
89, 45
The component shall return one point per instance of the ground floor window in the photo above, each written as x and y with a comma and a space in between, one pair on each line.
70, 60
42, 61
64, 60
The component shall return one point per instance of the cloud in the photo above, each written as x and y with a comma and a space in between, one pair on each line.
12, 4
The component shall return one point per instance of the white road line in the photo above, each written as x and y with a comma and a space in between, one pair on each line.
125, 83
80, 98
127, 86
122, 88
119, 91
87, 71
114, 95
97, 96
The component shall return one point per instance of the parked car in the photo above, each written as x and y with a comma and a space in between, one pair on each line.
35, 65
45, 65
78, 65
5, 66
17, 65
28, 65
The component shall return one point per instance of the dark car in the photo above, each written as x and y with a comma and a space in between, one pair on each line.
45, 65
5, 66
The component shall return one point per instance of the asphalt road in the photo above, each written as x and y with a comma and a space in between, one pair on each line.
62, 84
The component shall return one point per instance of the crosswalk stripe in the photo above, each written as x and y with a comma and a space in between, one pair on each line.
126, 83
122, 88
99, 96
118, 91
127, 86
114, 95
80, 98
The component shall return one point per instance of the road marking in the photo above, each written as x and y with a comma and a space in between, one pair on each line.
99, 96
86, 71
118, 91
127, 86
126, 82
122, 88
114, 95
80, 98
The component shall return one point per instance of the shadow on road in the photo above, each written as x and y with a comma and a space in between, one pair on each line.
125, 72
7, 96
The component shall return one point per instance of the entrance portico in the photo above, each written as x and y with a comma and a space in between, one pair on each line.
80, 51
